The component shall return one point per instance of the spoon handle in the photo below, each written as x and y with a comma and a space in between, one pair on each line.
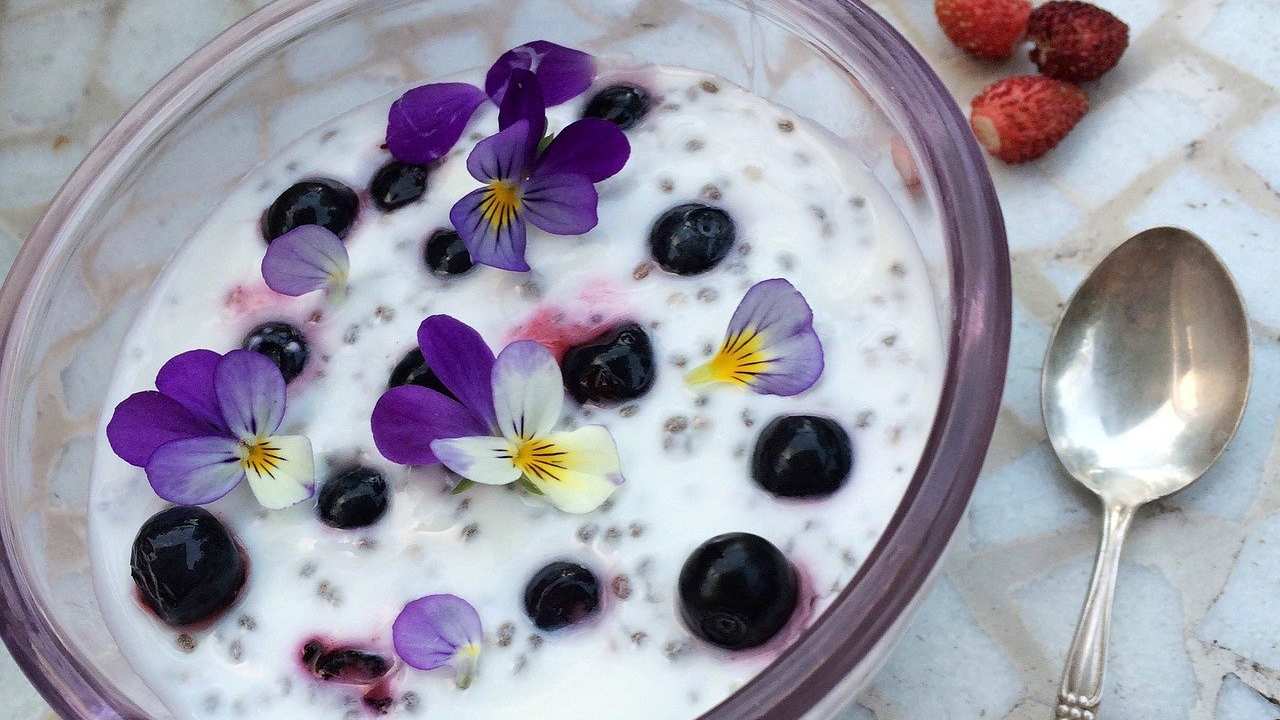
1087, 660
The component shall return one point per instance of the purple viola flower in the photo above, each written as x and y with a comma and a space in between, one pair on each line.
438, 631
503, 430
306, 259
554, 191
427, 121
210, 424
771, 346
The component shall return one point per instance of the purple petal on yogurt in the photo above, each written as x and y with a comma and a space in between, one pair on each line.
188, 378
463, 362
426, 122
561, 204
491, 226
196, 471
250, 393
591, 146
407, 419
505, 156
564, 73
770, 347
146, 421
438, 631
305, 259
523, 101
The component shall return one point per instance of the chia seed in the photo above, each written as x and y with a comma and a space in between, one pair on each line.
694, 145
613, 534
248, 623
787, 125
676, 648
629, 410
787, 261
588, 532
621, 587
352, 335
679, 360
638, 637
708, 295
676, 424
519, 664
506, 633
186, 643
898, 270
410, 701
636, 529
865, 418
328, 593
709, 87
743, 248
666, 185
711, 192
384, 313
236, 651
307, 570
642, 270
535, 641
470, 531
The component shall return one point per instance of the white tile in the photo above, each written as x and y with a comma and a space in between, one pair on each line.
45, 66
857, 712
944, 662
151, 37
1237, 701
1122, 137
31, 173
1138, 14
1149, 674
21, 701
1036, 214
1243, 619
1027, 498
452, 52
1259, 148
1243, 236
1244, 34
1026, 357
329, 52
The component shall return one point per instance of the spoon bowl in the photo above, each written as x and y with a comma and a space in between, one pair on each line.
1144, 384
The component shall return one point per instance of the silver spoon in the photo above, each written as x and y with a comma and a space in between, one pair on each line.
1144, 384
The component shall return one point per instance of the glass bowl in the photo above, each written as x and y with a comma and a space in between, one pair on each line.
88, 265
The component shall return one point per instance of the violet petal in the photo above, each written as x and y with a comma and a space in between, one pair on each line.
528, 390
564, 73
251, 394
426, 122
591, 146
195, 471
503, 156
188, 378
494, 233
305, 259
463, 362
561, 204
438, 630
408, 418
145, 421
523, 101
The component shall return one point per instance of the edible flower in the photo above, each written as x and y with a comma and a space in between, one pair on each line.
770, 347
210, 424
306, 259
501, 428
553, 188
427, 121
439, 631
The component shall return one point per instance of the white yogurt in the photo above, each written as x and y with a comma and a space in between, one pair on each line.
805, 210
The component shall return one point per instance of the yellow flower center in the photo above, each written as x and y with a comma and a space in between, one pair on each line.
540, 459
261, 457
741, 358
500, 204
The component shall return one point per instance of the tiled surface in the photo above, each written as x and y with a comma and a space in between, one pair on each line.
1186, 131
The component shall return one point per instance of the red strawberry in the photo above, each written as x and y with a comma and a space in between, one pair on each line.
987, 28
1021, 118
1076, 41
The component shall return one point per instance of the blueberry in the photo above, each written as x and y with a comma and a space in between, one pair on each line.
561, 594
802, 456
354, 498
186, 565
622, 105
397, 184
614, 367
349, 666
319, 201
692, 238
413, 370
446, 254
283, 343
737, 591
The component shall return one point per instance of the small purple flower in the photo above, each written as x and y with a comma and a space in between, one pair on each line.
771, 346
555, 191
305, 259
438, 631
427, 121
209, 425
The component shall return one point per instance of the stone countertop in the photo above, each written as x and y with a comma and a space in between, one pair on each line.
1186, 132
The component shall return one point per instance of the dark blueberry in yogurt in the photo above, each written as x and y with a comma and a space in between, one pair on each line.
561, 594
413, 370
737, 591
354, 498
622, 105
614, 367
692, 238
319, 201
186, 565
802, 456
397, 184
446, 254
283, 343
349, 666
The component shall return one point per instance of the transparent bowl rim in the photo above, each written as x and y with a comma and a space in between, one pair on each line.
897, 570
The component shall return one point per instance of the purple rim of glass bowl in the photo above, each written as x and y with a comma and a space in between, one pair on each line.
897, 569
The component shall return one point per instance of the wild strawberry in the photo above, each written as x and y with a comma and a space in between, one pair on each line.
989, 29
1076, 41
1021, 118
